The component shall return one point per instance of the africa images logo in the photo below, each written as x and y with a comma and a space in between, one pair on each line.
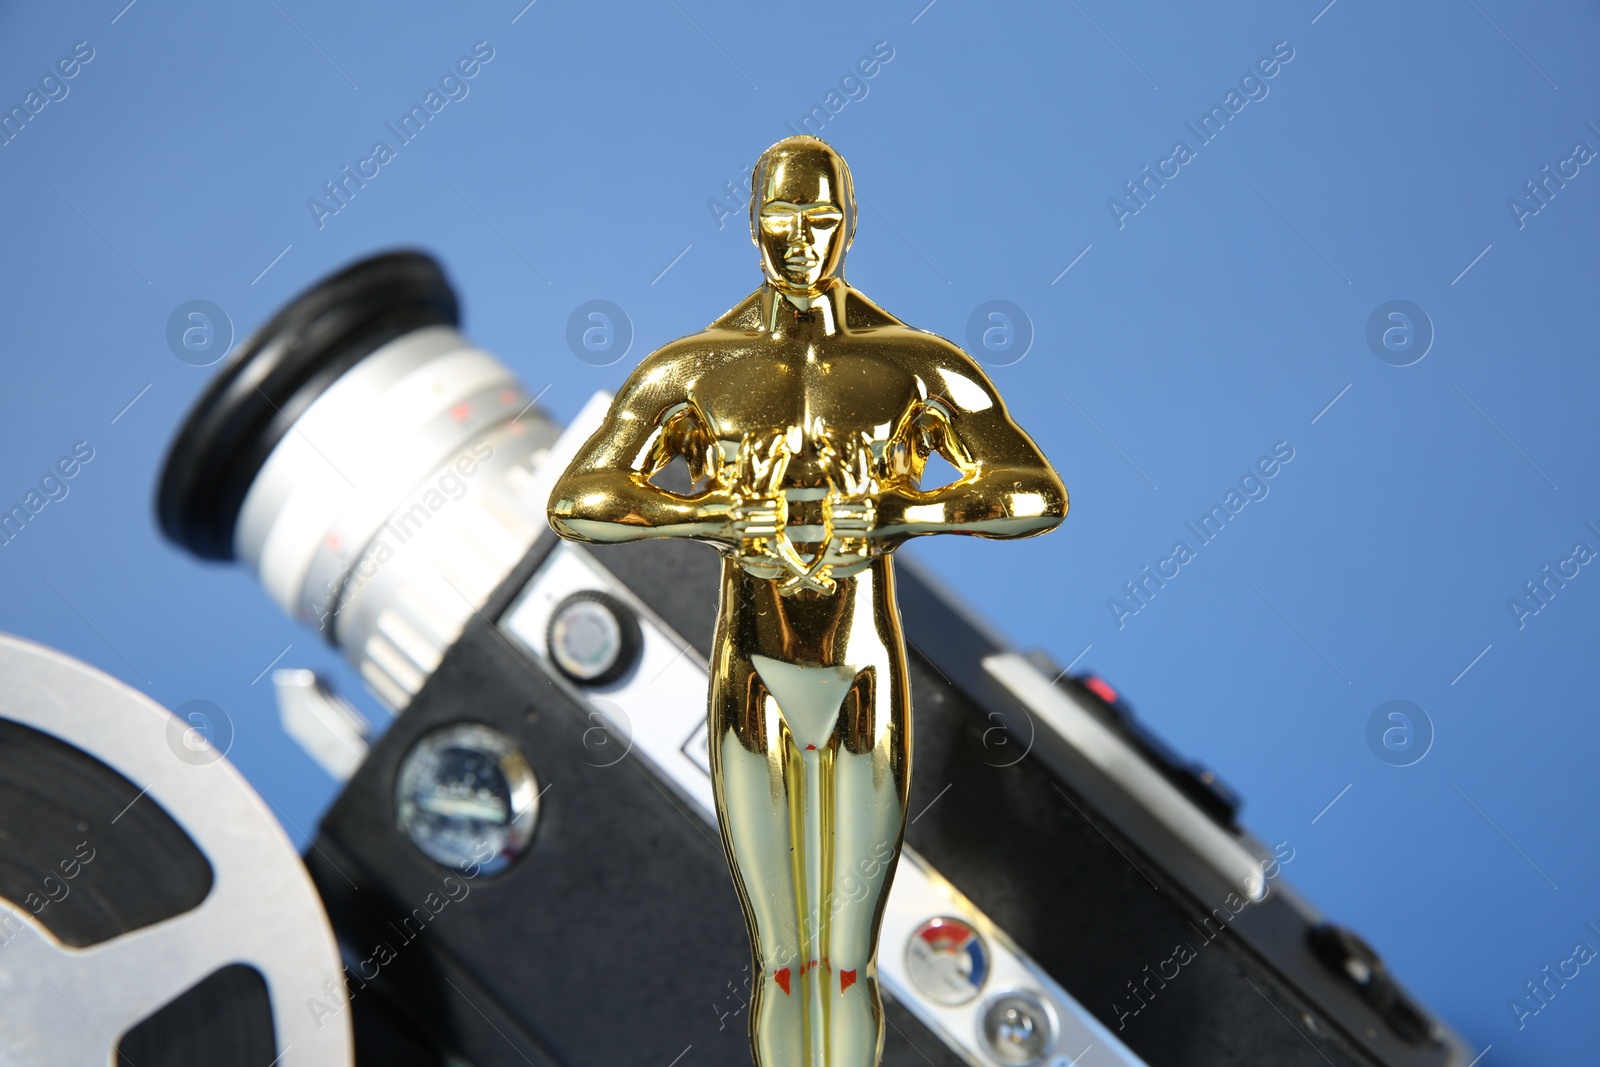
1253, 88
1253, 487
452, 87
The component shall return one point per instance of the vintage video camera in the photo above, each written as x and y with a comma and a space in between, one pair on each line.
525, 867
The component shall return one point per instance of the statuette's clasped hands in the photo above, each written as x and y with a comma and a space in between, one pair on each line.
758, 507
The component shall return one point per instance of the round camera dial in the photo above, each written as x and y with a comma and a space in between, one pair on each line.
1017, 1028
947, 960
593, 638
467, 798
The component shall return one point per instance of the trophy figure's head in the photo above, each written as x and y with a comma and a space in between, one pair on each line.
802, 214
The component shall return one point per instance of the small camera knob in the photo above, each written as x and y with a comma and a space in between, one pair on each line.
593, 638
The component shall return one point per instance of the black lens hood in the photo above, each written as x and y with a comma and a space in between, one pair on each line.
275, 375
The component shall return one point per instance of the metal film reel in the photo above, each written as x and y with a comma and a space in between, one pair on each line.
152, 911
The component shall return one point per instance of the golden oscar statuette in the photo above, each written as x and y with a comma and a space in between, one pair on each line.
805, 416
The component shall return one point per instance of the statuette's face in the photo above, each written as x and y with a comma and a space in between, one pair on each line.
804, 215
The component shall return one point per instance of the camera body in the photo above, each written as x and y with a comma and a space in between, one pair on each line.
525, 867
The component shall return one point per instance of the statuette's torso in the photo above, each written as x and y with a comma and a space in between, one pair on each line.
814, 413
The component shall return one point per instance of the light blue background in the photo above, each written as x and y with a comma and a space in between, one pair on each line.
1208, 328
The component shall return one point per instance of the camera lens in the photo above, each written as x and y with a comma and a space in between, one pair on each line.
368, 463
275, 375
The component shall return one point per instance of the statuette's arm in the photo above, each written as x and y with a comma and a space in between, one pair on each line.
606, 495
1006, 486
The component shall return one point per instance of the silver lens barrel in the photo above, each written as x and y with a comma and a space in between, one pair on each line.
386, 489
395, 506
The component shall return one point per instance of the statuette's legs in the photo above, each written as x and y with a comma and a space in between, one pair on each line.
810, 779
